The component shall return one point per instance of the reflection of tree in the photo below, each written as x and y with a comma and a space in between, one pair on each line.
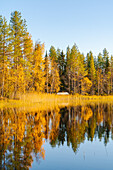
76, 134
91, 128
72, 127
78, 122
86, 113
22, 133
100, 123
47, 124
55, 120
38, 127
75, 128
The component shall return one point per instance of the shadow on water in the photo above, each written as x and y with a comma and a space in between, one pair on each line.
22, 134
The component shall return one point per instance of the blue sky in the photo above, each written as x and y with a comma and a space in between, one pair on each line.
88, 23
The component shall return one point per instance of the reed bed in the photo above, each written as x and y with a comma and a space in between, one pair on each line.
45, 101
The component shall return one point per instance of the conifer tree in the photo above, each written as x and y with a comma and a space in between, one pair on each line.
38, 68
92, 74
99, 76
53, 54
18, 28
111, 70
68, 70
74, 65
106, 71
88, 64
28, 61
59, 61
46, 70
63, 64
105, 61
81, 71
54, 79
62, 69
4, 56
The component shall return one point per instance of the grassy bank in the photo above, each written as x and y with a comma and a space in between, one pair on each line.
51, 100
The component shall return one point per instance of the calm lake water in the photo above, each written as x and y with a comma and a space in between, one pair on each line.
69, 138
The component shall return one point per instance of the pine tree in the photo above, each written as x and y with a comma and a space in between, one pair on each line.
106, 71
88, 64
53, 54
68, 69
111, 70
4, 57
18, 28
92, 74
74, 66
54, 78
28, 61
81, 71
99, 76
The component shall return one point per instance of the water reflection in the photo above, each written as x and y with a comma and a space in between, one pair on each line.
22, 134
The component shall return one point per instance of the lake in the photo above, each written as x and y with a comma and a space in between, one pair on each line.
59, 138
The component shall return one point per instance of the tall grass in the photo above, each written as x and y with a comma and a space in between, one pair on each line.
29, 100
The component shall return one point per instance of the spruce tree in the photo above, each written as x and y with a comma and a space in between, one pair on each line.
62, 69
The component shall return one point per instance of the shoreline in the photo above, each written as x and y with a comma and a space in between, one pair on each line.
49, 100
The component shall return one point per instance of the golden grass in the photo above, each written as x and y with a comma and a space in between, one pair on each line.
44, 101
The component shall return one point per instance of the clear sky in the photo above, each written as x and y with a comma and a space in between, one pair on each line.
88, 23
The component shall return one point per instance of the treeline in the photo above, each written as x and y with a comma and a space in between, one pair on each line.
24, 68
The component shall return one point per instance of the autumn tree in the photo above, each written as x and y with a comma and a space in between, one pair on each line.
4, 56
85, 85
111, 70
68, 70
74, 66
46, 70
88, 64
82, 72
99, 77
18, 28
38, 68
92, 72
28, 61
54, 75
106, 71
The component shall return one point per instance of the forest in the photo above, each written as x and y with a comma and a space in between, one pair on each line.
28, 67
